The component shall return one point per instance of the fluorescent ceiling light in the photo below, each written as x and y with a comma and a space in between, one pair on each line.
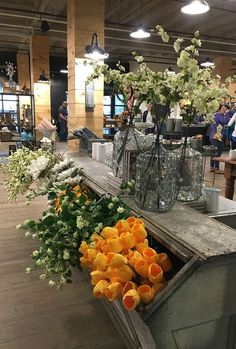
196, 7
94, 51
140, 33
65, 71
207, 63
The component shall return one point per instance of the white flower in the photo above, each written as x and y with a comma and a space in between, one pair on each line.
75, 235
110, 206
49, 251
51, 283
34, 236
27, 234
120, 209
100, 225
19, 226
38, 262
66, 255
115, 199
62, 280
28, 270
42, 276
37, 166
35, 253
132, 181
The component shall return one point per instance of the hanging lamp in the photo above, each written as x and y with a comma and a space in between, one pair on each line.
140, 32
207, 63
42, 77
94, 51
196, 7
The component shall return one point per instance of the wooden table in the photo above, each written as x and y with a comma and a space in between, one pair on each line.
230, 175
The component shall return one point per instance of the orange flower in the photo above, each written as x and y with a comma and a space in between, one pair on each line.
122, 226
149, 255
76, 188
114, 244
139, 232
136, 256
146, 293
108, 232
140, 246
118, 260
139, 221
114, 290
131, 221
103, 246
141, 267
96, 237
158, 287
96, 276
100, 288
90, 254
127, 240
83, 247
124, 274
85, 263
165, 262
130, 285
100, 261
131, 299
110, 255
155, 273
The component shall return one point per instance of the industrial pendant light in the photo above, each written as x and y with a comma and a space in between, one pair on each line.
43, 77
196, 7
207, 63
140, 32
93, 51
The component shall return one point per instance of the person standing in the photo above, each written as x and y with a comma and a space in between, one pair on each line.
148, 118
232, 122
62, 118
218, 135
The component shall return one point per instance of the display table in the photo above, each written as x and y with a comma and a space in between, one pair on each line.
197, 309
229, 174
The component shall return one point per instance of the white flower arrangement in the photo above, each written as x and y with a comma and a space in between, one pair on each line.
38, 166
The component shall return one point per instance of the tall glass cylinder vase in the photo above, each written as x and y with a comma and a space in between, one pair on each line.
156, 179
128, 138
190, 177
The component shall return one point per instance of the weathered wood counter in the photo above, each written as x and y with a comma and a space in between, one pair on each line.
197, 309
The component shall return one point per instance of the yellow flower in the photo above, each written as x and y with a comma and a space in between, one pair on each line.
165, 262
149, 255
96, 276
122, 226
108, 232
146, 293
130, 285
131, 221
127, 240
140, 246
114, 290
155, 273
100, 261
134, 258
83, 247
124, 274
141, 267
114, 244
139, 232
131, 299
118, 260
100, 288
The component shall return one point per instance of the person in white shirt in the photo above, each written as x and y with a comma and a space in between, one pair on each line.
148, 118
230, 123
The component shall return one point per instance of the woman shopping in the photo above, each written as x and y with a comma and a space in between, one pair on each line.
218, 135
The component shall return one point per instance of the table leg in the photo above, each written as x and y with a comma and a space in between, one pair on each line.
229, 188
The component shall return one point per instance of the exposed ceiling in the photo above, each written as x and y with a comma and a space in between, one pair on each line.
19, 19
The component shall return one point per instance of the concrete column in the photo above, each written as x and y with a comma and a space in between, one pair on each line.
84, 17
23, 69
39, 62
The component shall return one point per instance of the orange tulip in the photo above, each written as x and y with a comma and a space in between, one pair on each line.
114, 244
127, 253
146, 293
100, 288
83, 247
165, 262
108, 232
139, 232
96, 237
85, 263
90, 254
131, 221
131, 299
110, 255
114, 290
140, 246
127, 240
155, 273
96, 276
118, 260
158, 287
100, 261
124, 274
139, 221
149, 255
130, 285
103, 246
122, 226
141, 267
135, 257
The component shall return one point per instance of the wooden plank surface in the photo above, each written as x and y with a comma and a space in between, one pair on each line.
35, 316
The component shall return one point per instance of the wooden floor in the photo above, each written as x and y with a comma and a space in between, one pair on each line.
33, 316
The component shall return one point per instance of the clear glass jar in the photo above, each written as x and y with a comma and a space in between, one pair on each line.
156, 179
190, 176
128, 138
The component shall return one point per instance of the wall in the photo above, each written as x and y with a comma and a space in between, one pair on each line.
154, 66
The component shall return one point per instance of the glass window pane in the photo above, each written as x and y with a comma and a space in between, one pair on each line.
9, 106
10, 97
107, 110
119, 109
107, 100
120, 100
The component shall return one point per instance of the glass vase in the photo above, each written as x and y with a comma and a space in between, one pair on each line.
190, 177
156, 179
128, 138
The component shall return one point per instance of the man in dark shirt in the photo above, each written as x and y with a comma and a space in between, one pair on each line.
62, 118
